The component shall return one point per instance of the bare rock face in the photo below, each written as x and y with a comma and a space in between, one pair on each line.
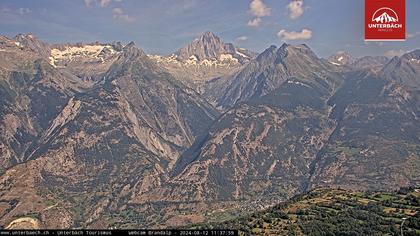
209, 46
206, 58
89, 62
267, 72
265, 145
100, 135
32, 43
369, 149
375, 145
95, 145
166, 116
374, 63
206, 46
404, 70
346, 62
33, 94
313, 129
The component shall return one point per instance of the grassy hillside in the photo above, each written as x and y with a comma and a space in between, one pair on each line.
335, 212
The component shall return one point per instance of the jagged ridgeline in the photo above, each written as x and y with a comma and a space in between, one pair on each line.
100, 135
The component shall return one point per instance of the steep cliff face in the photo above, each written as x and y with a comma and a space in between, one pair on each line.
103, 143
267, 72
262, 148
107, 145
162, 109
209, 46
310, 131
375, 144
374, 63
205, 58
33, 93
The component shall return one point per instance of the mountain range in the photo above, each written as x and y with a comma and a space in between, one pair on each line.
102, 135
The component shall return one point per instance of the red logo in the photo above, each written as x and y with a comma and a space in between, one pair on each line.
384, 20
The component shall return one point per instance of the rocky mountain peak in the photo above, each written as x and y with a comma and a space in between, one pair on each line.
118, 137
132, 51
31, 42
374, 63
205, 46
28, 36
300, 48
404, 70
131, 59
412, 55
296, 52
209, 46
288, 50
270, 69
267, 53
209, 36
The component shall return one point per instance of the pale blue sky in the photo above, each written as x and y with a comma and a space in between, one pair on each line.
163, 26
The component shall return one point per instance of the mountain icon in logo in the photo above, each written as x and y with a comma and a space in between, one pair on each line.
385, 15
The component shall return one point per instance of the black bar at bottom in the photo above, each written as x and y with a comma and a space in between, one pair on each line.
140, 232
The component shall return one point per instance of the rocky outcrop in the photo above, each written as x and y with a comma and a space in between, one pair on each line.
135, 147
94, 148
206, 58
209, 46
267, 72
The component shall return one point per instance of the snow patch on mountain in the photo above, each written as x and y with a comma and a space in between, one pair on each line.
224, 60
70, 53
242, 55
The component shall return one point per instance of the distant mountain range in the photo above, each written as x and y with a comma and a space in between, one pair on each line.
102, 135
374, 63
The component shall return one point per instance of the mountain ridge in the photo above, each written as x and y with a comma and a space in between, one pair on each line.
120, 135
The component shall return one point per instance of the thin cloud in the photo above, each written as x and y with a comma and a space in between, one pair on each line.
293, 35
254, 22
394, 53
118, 11
20, 11
100, 3
24, 11
296, 9
259, 9
241, 38
413, 35
88, 3
104, 3
119, 14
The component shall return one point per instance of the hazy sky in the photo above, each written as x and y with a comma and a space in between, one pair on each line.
162, 26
